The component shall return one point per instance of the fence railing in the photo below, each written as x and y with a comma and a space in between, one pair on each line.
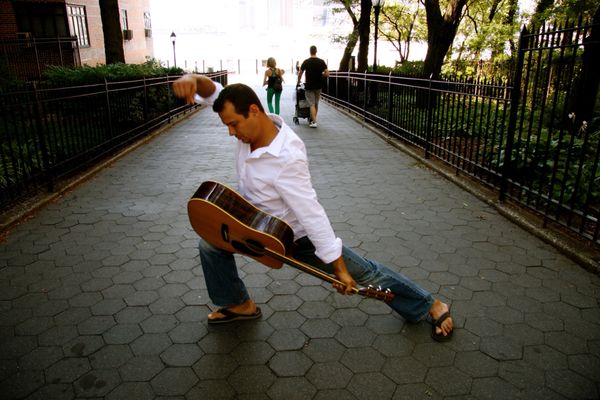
28, 58
47, 134
520, 139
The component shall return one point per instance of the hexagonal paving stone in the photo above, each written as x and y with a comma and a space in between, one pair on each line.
173, 381
329, 375
324, 350
290, 363
218, 342
249, 353
287, 339
141, 368
449, 381
111, 356
181, 355
355, 336
371, 385
67, 370
501, 348
97, 383
315, 309
404, 370
210, 389
132, 390
150, 344
159, 324
571, 385
250, 379
292, 388
494, 388
362, 359
214, 366
320, 328
349, 317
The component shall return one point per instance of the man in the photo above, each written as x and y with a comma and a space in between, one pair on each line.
273, 174
316, 70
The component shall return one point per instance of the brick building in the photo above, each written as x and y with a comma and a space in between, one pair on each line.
36, 33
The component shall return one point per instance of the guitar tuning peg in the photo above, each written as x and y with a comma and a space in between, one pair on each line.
388, 290
379, 288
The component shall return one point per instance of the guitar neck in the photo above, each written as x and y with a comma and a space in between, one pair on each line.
304, 267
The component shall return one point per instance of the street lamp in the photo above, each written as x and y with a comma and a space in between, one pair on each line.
173, 37
377, 4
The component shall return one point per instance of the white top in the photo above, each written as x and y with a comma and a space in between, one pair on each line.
276, 179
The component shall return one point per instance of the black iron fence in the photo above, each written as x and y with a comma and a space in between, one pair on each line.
27, 58
523, 139
47, 134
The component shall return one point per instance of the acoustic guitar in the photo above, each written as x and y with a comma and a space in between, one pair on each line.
228, 221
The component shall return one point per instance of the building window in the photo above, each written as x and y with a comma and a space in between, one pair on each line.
78, 24
147, 22
43, 20
147, 25
124, 21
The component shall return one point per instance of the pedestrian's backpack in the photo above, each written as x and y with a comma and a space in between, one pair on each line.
278, 82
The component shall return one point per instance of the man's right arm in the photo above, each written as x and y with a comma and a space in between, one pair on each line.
190, 85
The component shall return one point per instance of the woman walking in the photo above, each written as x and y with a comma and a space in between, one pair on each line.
274, 80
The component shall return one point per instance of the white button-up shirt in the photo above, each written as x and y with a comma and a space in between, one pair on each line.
276, 179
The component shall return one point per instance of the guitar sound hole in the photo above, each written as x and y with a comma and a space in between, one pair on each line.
253, 248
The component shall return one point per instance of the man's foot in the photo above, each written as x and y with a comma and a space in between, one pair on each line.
312, 124
443, 326
244, 311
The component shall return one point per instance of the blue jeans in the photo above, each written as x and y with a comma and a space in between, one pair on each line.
226, 289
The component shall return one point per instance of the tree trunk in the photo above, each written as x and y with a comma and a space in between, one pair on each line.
113, 35
364, 29
441, 30
584, 97
345, 61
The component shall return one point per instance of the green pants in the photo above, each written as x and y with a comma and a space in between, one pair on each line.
270, 93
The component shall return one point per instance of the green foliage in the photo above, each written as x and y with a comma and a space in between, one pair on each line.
407, 68
559, 164
59, 76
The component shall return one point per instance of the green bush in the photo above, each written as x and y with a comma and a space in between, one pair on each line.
57, 76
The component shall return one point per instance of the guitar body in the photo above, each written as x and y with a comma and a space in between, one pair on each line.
228, 221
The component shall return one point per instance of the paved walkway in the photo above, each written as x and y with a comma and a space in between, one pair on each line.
102, 295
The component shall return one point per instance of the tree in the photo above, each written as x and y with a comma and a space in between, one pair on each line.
586, 91
350, 39
441, 30
400, 25
111, 27
360, 33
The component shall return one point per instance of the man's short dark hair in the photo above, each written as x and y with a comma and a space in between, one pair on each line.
241, 96
313, 50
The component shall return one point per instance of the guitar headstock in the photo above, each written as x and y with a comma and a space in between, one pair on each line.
379, 294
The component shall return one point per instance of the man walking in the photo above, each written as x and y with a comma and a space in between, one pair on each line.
316, 70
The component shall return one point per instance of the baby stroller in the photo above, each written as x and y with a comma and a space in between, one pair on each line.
302, 106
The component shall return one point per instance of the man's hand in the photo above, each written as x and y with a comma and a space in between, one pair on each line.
186, 87
340, 270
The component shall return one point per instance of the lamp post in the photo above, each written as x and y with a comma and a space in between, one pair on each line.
173, 37
377, 4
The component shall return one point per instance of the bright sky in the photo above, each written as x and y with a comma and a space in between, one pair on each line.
238, 34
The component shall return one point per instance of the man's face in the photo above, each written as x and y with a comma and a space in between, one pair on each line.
244, 129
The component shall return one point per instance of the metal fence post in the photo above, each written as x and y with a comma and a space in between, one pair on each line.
505, 172
365, 96
39, 120
108, 113
429, 120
